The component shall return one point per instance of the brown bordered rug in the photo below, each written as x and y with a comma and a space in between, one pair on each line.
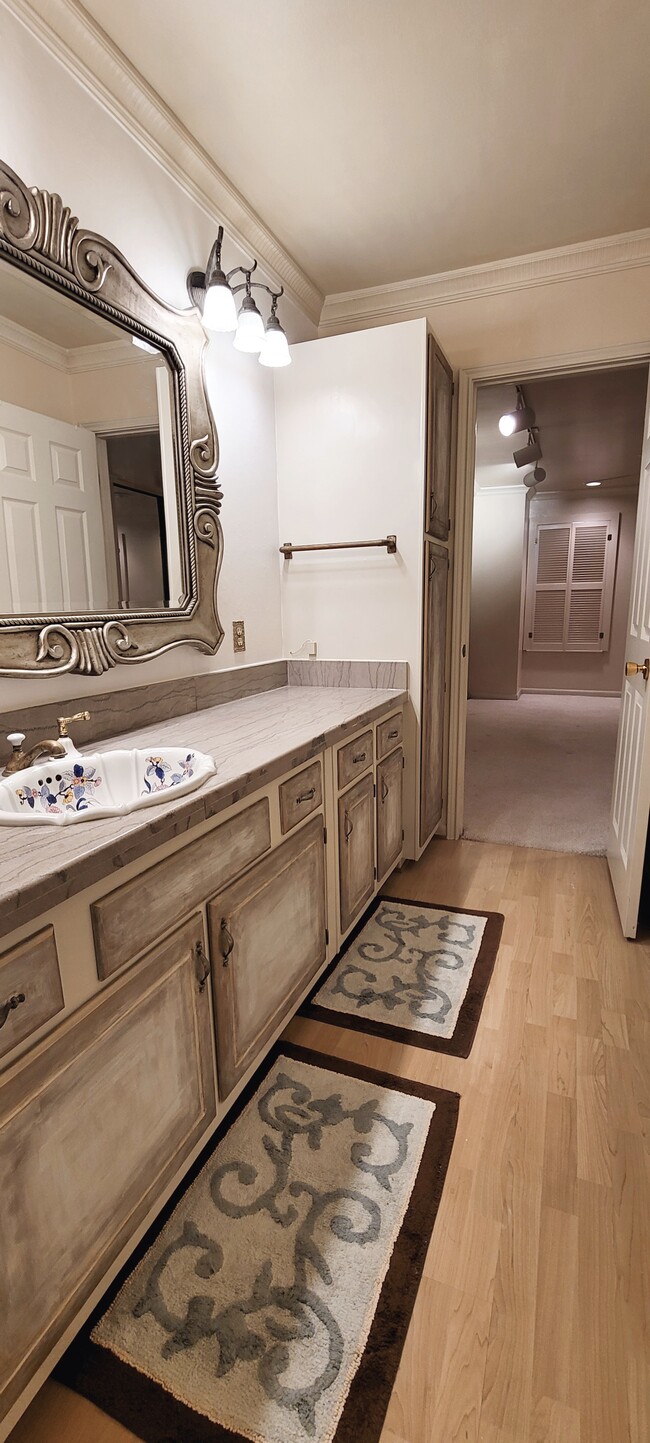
459, 1043
154, 1414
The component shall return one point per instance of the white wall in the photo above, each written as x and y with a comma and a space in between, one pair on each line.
497, 562
55, 135
350, 439
596, 671
350, 452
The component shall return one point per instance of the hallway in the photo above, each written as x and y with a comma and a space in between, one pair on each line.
539, 771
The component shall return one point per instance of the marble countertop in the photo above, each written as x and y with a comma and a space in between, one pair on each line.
252, 740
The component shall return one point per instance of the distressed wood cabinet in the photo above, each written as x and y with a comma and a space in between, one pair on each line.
267, 939
389, 813
433, 688
356, 850
440, 391
94, 1121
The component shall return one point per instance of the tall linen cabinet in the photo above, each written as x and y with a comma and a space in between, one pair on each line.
364, 433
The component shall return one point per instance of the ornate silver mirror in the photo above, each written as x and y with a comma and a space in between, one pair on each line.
110, 540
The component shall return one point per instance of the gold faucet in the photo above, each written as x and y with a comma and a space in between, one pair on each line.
19, 759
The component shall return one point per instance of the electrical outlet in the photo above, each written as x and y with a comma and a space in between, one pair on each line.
238, 636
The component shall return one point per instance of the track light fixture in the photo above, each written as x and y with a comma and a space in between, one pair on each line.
529, 453
213, 294
521, 419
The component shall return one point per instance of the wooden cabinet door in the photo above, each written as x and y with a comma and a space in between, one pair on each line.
440, 390
433, 688
389, 813
267, 938
356, 849
93, 1123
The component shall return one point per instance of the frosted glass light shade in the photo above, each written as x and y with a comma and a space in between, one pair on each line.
219, 309
275, 348
250, 331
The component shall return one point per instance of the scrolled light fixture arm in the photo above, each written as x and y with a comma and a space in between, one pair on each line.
213, 294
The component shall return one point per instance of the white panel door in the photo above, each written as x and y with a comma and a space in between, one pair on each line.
52, 554
631, 796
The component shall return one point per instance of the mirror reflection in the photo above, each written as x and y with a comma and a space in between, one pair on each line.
88, 505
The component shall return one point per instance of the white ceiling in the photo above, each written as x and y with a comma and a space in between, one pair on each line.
382, 140
590, 429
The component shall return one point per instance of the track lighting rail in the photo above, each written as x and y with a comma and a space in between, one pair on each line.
389, 542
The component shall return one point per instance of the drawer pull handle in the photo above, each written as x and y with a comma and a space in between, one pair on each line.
348, 826
359, 757
393, 734
10, 1006
306, 796
202, 966
384, 789
227, 942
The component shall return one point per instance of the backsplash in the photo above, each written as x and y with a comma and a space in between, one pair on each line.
311, 672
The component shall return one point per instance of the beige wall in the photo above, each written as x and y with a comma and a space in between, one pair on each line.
600, 672
497, 563
26, 381
535, 321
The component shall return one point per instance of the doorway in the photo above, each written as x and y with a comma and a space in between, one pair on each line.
550, 587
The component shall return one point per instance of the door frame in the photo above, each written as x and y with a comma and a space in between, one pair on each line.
469, 380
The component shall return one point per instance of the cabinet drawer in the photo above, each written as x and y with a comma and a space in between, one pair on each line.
94, 1122
300, 796
30, 988
354, 758
267, 939
356, 850
389, 735
131, 918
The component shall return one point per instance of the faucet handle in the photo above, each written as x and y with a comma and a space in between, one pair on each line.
63, 722
16, 739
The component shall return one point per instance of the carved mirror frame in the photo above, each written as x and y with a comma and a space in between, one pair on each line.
41, 236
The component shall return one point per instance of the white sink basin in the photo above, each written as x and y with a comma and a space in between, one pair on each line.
78, 788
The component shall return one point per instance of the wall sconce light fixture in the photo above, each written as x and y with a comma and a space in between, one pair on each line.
213, 294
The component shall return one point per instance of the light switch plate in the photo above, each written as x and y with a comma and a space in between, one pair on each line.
238, 636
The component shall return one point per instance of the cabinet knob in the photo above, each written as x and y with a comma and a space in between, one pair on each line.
348, 826
227, 942
384, 789
306, 796
10, 1006
359, 757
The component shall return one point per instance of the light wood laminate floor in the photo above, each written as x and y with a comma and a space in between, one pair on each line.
532, 1319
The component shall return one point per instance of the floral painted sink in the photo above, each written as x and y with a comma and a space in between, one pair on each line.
77, 787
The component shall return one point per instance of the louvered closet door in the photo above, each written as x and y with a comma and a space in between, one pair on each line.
631, 796
570, 585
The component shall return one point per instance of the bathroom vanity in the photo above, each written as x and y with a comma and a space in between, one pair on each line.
157, 957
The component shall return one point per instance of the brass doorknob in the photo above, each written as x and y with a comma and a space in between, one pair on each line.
633, 668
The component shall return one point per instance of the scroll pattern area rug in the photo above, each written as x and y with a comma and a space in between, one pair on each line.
412, 972
273, 1303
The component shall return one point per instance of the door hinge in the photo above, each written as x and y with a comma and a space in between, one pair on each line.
325, 836
374, 873
374, 790
327, 936
403, 761
402, 834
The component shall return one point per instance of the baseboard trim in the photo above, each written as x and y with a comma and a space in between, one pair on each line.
563, 691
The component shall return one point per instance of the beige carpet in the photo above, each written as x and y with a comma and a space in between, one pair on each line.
539, 771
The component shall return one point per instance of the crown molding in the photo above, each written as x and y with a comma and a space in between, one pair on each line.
412, 298
77, 359
87, 52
